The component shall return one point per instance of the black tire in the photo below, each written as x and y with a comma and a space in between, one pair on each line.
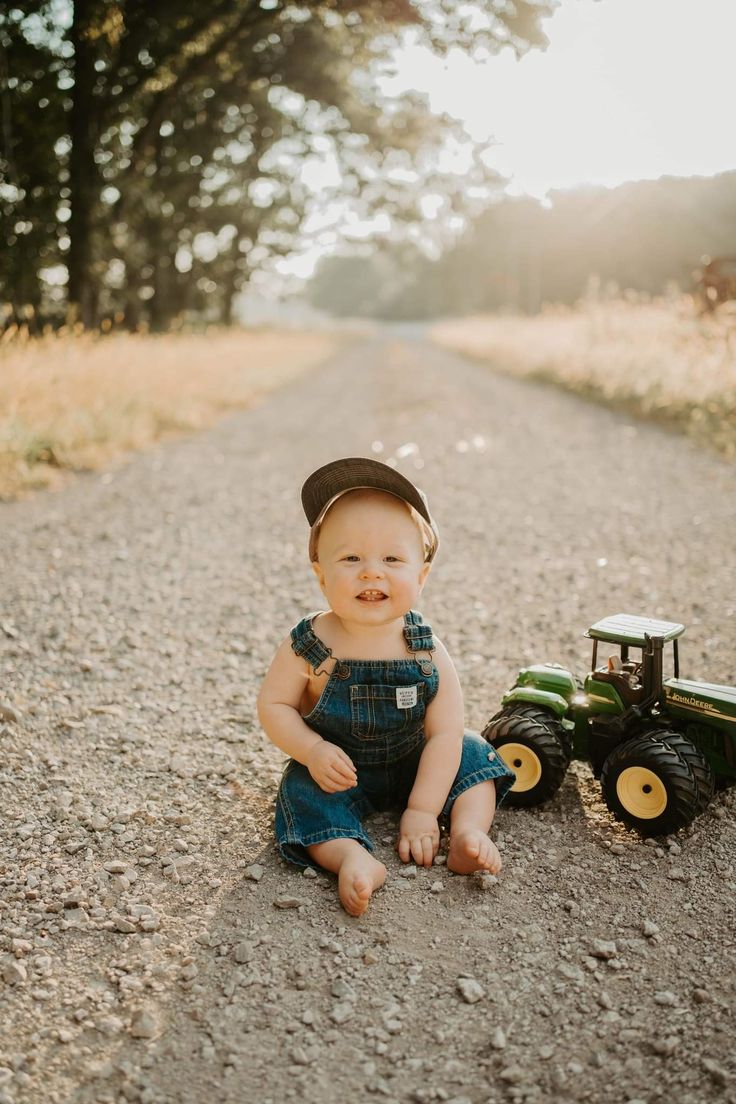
541, 771
542, 716
649, 786
698, 764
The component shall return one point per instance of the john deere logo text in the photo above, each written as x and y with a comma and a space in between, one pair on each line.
693, 704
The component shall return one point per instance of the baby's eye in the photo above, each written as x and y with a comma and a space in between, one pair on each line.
393, 559
351, 558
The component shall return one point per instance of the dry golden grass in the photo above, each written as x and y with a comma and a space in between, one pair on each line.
78, 401
658, 360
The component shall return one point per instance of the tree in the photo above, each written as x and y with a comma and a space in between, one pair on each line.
171, 119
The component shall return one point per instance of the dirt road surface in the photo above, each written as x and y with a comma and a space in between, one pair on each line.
154, 947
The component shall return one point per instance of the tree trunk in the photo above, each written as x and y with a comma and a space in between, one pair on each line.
82, 170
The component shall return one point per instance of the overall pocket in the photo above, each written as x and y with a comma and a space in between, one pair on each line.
384, 710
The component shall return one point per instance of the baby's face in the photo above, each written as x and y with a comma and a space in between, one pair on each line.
371, 558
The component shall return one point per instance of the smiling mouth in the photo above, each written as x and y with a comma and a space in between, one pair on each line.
371, 596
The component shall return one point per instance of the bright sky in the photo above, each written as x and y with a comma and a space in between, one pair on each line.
626, 90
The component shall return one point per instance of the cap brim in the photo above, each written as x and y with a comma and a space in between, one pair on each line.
355, 473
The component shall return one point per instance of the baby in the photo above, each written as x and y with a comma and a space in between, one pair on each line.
365, 699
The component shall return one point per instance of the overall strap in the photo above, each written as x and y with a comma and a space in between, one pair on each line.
306, 643
418, 635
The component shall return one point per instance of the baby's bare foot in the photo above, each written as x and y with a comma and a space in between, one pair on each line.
360, 875
470, 850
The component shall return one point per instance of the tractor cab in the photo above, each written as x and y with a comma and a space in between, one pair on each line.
630, 675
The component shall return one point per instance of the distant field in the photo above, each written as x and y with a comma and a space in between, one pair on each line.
657, 360
76, 401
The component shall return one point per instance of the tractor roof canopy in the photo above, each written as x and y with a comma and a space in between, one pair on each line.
623, 628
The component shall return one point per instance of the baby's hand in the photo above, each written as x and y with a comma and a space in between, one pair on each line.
330, 767
419, 837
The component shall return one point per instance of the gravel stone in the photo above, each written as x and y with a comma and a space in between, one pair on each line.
470, 990
603, 948
143, 1024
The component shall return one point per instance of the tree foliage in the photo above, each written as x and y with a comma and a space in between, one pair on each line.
151, 149
519, 254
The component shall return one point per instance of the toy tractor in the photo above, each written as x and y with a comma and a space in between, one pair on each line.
657, 744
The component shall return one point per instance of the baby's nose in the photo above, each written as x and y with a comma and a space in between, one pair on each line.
370, 570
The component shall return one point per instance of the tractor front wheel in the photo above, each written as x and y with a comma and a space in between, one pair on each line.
648, 785
532, 748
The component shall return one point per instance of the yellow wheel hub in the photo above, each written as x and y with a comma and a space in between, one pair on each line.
641, 792
525, 764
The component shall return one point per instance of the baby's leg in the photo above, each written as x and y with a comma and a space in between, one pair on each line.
470, 820
358, 873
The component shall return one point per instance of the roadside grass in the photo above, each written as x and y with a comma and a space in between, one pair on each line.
656, 360
76, 402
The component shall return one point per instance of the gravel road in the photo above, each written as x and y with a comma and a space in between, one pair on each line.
155, 949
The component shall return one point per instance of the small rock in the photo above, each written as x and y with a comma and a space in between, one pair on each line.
649, 928
570, 971
677, 875
8, 714
498, 1039
512, 1075
470, 990
604, 1000
309, 872
342, 990
254, 872
484, 880
701, 996
109, 1025
342, 1012
666, 1046
116, 866
76, 918
603, 948
546, 1052
14, 972
143, 1025
123, 925
301, 1057
665, 997
409, 871
436, 887
288, 902
717, 1072
618, 849
370, 958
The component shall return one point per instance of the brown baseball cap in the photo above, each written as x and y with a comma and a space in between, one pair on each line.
354, 473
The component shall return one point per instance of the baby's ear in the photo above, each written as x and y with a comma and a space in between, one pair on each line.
317, 569
424, 572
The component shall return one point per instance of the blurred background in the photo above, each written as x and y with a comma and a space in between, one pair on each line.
518, 166
164, 162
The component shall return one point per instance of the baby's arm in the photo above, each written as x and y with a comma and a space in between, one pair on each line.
419, 835
278, 711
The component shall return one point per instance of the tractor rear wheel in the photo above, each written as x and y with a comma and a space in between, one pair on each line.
648, 785
533, 749
698, 764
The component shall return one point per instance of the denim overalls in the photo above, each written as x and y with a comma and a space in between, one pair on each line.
374, 710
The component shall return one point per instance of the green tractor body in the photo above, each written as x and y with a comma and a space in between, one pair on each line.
658, 744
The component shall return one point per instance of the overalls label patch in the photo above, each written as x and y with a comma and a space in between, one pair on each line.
406, 697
